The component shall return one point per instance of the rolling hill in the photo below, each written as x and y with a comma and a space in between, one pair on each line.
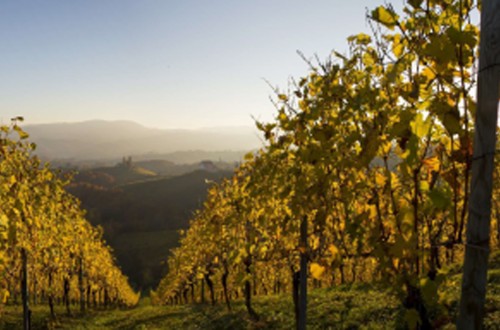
141, 211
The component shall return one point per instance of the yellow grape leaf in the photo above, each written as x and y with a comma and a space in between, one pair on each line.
424, 186
5, 296
12, 179
282, 116
395, 180
22, 134
432, 164
314, 242
372, 209
283, 97
380, 179
385, 16
249, 156
420, 126
368, 59
429, 74
3, 219
397, 46
333, 250
360, 38
317, 270
386, 147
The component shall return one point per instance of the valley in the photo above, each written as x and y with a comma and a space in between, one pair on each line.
142, 206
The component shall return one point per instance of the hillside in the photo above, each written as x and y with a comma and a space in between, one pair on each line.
114, 176
178, 158
141, 211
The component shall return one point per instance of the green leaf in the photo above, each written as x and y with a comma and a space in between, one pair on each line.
429, 291
451, 121
397, 249
440, 49
394, 71
415, 3
412, 318
439, 199
12, 234
467, 37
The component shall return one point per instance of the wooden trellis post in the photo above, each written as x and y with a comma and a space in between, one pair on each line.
478, 226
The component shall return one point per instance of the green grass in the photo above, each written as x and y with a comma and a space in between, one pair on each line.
343, 307
339, 308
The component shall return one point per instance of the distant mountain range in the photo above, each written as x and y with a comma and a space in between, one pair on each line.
111, 140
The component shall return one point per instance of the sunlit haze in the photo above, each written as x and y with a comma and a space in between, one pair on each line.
164, 64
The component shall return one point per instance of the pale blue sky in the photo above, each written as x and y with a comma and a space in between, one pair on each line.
162, 63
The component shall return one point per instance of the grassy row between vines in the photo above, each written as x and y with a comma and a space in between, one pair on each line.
342, 307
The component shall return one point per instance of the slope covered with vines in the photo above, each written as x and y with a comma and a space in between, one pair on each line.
364, 176
49, 253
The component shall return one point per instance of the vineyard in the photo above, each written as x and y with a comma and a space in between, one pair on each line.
364, 181
49, 253
364, 178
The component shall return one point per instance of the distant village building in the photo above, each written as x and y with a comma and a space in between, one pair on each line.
208, 165
126, 162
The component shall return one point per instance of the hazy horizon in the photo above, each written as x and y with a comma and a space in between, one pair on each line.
104, 139
163, 64
96, 120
